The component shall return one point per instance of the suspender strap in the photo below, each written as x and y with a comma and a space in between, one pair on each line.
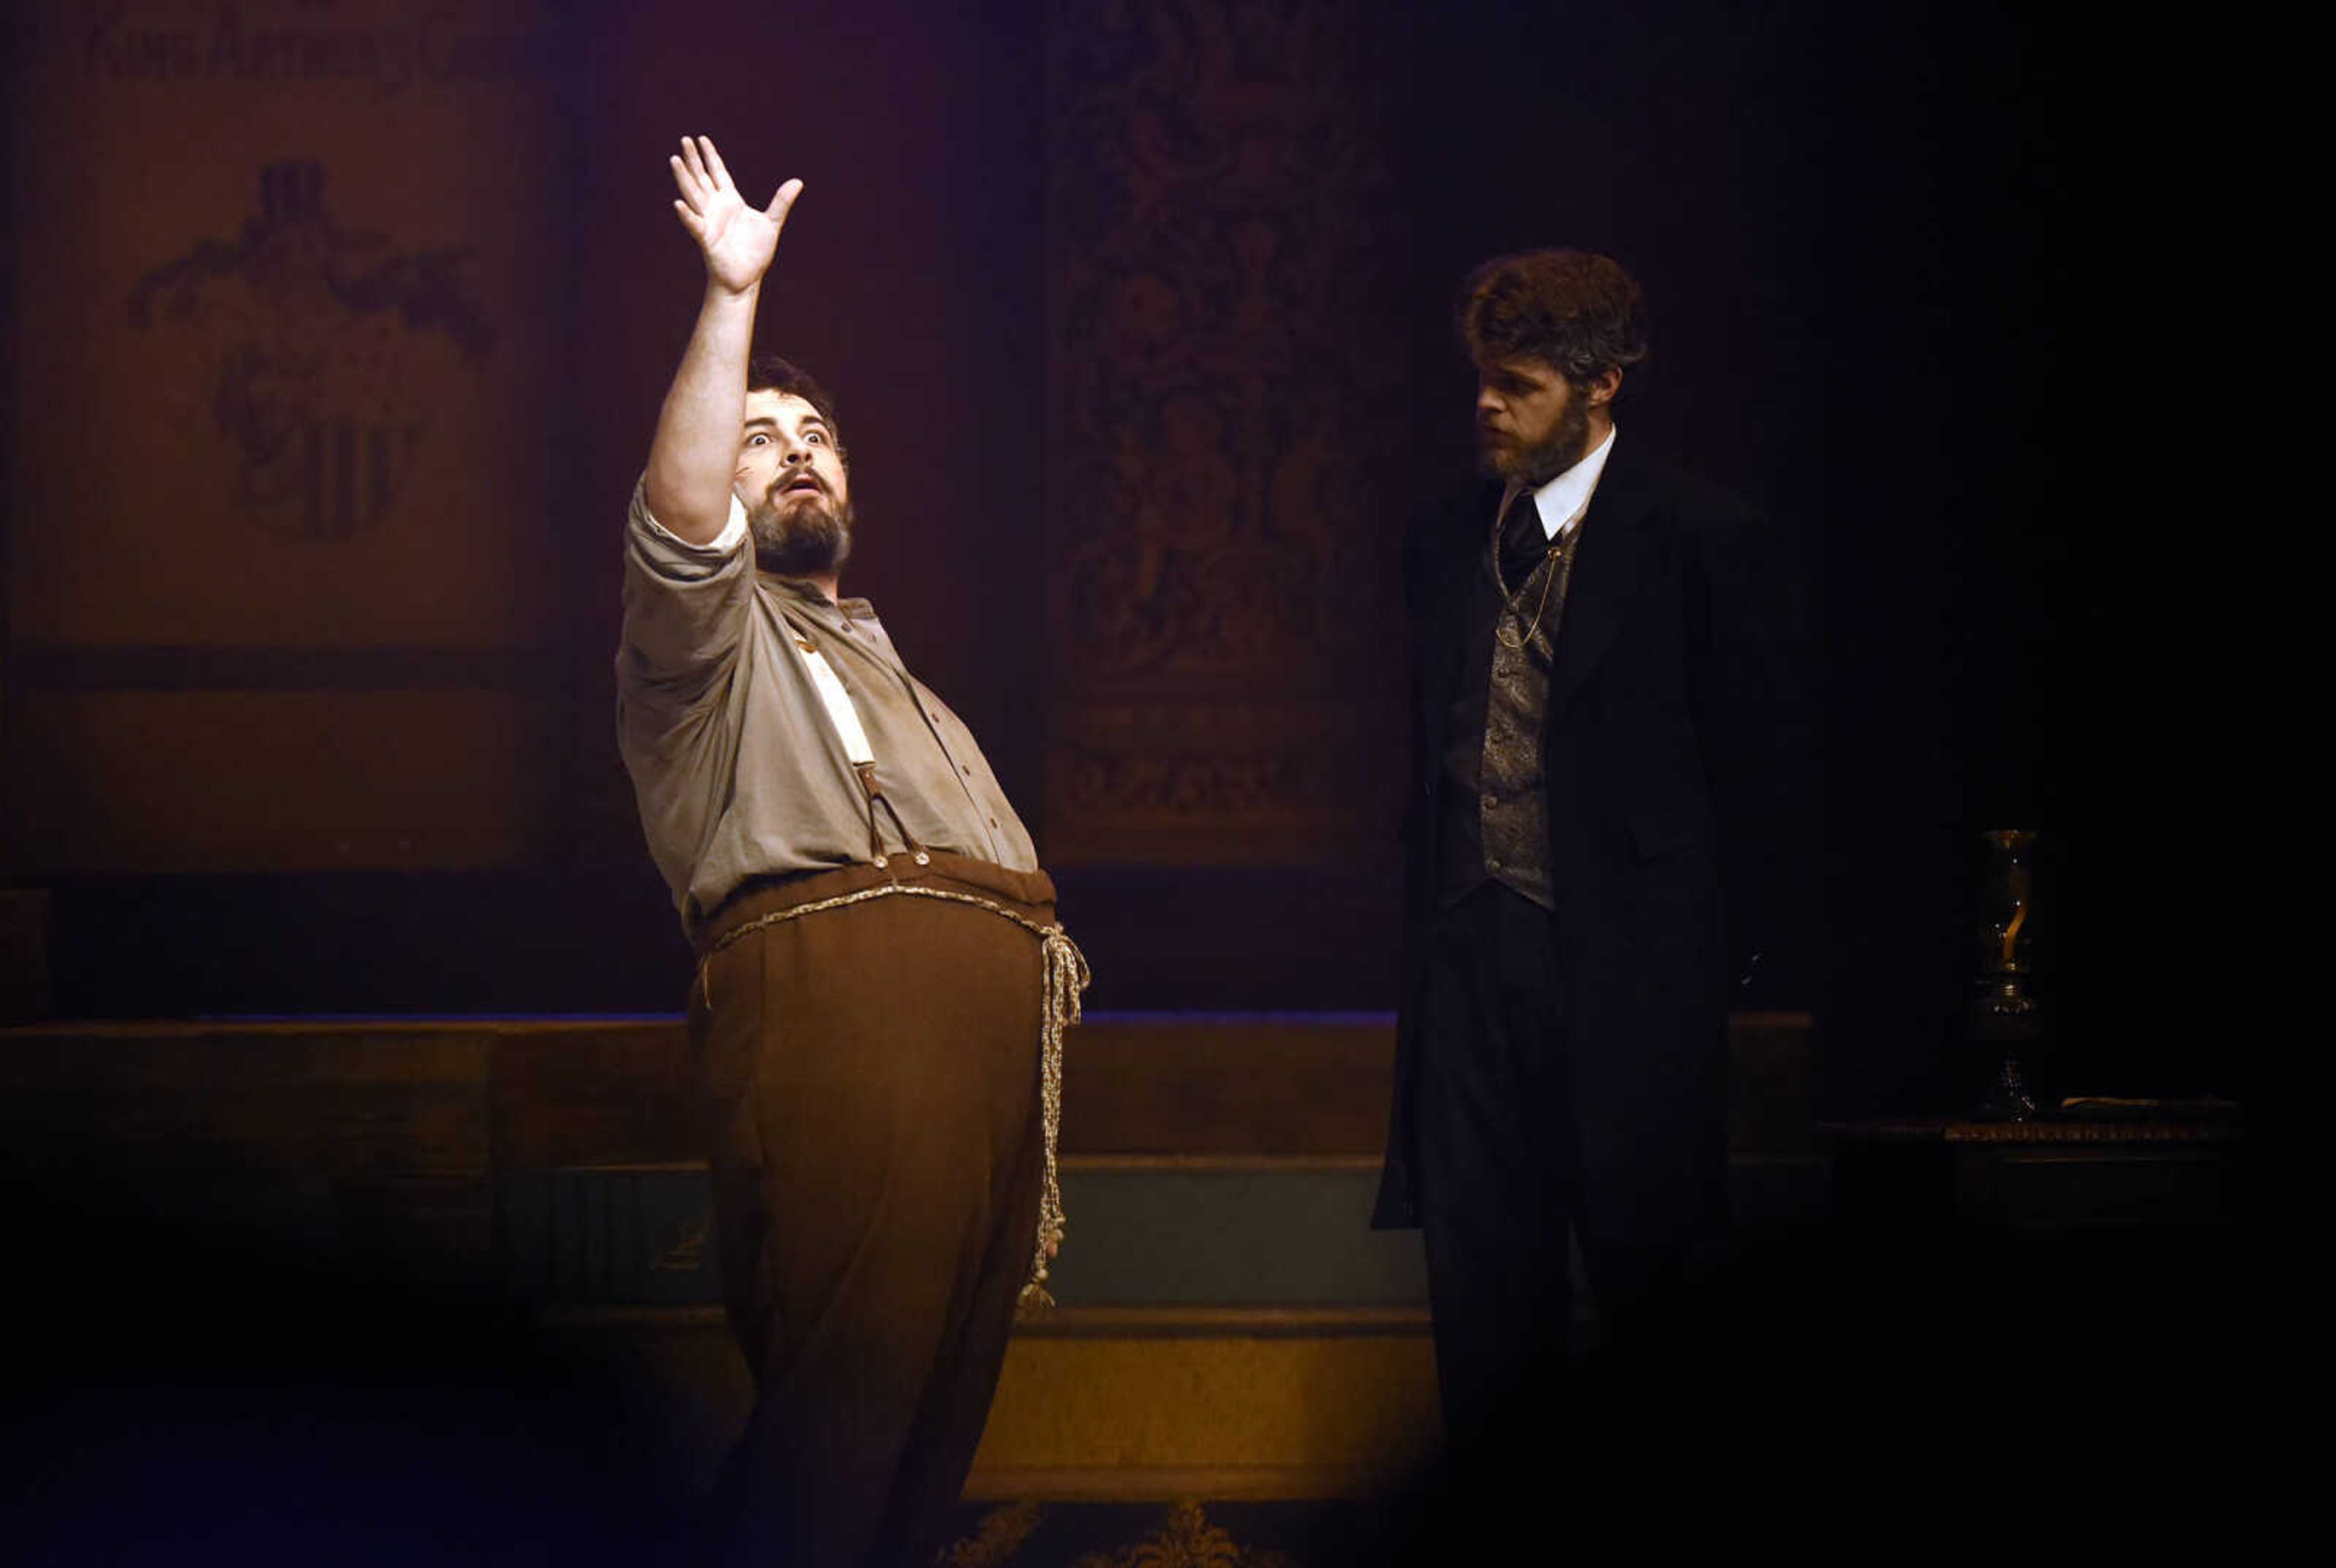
845, 718
838, 702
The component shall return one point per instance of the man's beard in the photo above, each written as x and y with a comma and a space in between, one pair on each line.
802, 537
1531, 467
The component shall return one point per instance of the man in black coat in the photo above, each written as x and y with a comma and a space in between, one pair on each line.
1610, 725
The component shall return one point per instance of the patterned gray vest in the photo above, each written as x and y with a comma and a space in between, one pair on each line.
1495, 817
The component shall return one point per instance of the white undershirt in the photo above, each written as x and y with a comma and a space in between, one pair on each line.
1562, 501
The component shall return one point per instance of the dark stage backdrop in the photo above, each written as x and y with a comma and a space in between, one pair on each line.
338, 328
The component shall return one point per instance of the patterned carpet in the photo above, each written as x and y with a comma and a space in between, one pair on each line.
1181, 1535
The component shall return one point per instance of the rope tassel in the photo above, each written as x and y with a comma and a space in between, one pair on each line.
1066, 975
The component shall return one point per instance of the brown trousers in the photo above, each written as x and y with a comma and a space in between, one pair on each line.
871, 1082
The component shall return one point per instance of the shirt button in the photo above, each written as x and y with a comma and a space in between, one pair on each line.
965, 769
993, 821
1492, 864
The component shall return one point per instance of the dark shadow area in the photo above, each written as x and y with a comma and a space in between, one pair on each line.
219, 1389
595, 940
2035, 1392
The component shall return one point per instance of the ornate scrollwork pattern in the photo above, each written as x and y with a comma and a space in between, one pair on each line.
1221, 308
1188, 1541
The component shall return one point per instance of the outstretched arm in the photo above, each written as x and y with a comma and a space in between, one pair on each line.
695, 455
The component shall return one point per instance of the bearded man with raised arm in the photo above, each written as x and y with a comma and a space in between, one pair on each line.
876, 1020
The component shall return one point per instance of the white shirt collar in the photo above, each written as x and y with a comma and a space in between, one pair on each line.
1562, 501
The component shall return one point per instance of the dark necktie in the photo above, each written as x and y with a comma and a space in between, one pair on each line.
1523, 541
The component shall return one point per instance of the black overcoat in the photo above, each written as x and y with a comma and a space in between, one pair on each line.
1678, 751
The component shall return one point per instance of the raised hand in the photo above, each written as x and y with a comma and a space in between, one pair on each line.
738, 239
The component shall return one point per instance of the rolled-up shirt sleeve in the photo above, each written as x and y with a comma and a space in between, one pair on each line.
683, 609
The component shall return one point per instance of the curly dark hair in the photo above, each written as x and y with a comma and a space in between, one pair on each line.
1580, 312
769, 372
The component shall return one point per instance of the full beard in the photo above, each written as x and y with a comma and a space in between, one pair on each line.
807, 536
1531, 467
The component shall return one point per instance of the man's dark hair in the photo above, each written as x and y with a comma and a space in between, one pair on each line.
1580, 312
769, 372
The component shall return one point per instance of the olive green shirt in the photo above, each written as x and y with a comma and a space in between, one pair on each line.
735, 763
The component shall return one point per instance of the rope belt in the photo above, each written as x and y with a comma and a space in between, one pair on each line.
1065, 976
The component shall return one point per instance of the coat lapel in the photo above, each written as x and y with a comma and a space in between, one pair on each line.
1453, 553
1616, 548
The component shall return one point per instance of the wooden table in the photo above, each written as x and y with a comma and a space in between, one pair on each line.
2045, 1175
